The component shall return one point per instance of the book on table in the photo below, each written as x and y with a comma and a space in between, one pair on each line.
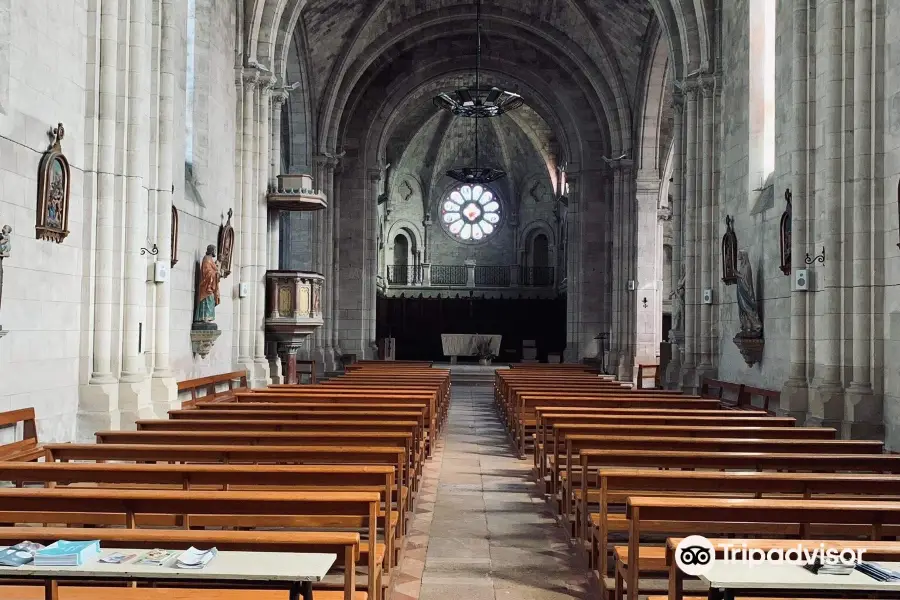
820, 567
67, 554
157, 558
18, 555
878, 572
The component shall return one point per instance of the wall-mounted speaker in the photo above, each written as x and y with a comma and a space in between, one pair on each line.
801, 280
160, 272
707, 296
243, 290
631, 285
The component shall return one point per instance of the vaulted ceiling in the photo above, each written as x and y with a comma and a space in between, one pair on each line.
371, 67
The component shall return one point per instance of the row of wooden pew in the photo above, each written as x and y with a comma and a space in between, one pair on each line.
630, 472
326, 468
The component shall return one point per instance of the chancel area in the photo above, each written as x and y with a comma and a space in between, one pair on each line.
415, 299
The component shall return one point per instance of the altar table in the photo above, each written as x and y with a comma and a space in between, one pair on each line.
465, 344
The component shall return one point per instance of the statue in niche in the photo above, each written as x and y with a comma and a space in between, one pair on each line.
677, 296
5, 248
226, 246
208, 289
729, 253
53, 191
751, 324
174, 236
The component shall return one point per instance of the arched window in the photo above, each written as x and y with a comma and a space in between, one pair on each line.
762, 91
470, 213
540, 252
399, 272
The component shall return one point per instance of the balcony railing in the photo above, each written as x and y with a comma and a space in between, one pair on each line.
483, 276
449, 275
536, 276
492, 276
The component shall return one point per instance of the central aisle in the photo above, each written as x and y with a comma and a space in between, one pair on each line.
481, 532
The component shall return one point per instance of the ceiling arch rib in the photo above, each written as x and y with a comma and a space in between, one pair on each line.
553, 45
391, 60
380, 116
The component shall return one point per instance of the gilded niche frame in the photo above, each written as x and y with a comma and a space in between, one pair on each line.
54, 189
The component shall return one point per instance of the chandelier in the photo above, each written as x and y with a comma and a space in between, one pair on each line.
476, 102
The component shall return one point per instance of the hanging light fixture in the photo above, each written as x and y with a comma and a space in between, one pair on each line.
477, 103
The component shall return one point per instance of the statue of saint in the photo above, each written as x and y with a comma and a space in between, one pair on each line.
751, 324
677, 296
208, 287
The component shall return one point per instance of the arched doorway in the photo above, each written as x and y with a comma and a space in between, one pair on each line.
398, 273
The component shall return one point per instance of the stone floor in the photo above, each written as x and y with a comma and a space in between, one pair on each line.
480, 531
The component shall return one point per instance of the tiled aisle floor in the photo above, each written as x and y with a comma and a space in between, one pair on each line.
480, 531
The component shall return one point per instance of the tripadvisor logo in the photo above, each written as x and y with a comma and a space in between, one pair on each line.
695, 555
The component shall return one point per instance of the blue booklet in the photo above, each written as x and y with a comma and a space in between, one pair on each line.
67, 554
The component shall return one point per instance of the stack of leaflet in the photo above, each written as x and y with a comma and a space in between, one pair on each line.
67, 554
195, 559
18, 555
877, 572
819, 567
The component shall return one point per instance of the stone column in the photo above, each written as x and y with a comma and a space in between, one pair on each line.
617, 274
863, 413
334, 173
321, 346
708, 199
279, 97
248, 208
163, 387
134, 388
99, 400
630, 280
827, 402
648, 331
575, 282
261, 174
795, 393
676, 335
691, 241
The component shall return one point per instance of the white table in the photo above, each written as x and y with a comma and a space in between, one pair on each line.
465, 344
730, 580
293, 571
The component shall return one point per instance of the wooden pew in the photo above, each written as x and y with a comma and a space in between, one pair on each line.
401, 440
615, 485
546, 421
205, 389
380, 426
379, 478
190, 509
576, 445
372, 399
525, 420
880, 517
28, 448
344, 544
229, 454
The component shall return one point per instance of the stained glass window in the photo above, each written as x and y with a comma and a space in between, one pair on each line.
470, 212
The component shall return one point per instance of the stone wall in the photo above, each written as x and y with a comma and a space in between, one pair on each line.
756, 213
42, 82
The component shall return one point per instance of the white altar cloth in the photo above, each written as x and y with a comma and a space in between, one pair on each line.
465, 344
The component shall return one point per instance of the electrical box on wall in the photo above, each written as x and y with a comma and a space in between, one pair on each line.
801, 280
707, 296
631, 285
160, 272
243, 290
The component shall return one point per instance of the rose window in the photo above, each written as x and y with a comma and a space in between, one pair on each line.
470, 212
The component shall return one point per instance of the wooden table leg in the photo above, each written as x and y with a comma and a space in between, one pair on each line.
51, 590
